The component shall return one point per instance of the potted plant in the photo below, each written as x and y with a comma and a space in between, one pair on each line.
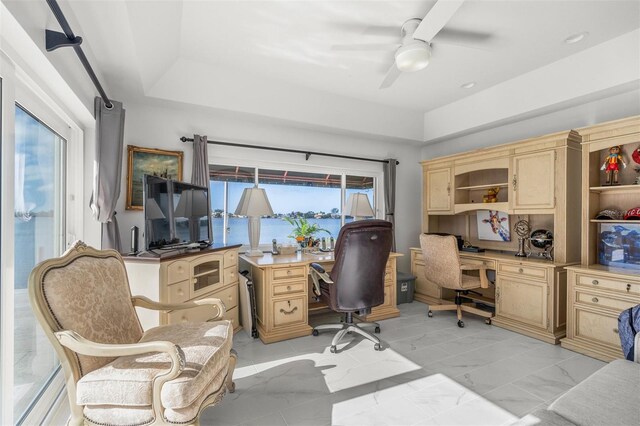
302, 229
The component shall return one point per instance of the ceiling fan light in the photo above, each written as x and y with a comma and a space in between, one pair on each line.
413, 56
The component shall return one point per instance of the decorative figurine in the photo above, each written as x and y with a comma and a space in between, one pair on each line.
492, 195
611, 164
636, 157
523, 229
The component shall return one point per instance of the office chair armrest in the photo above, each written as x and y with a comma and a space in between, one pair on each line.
318, 273
482, 271
147, 303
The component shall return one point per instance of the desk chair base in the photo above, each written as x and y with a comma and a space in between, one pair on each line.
461, 307
349, 326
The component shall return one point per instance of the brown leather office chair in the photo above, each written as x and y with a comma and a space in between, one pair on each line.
443, 268
356, 282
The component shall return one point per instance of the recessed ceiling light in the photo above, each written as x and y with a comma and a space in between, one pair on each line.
576, 37
468, 85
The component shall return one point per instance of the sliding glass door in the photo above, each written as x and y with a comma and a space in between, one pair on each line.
39, 234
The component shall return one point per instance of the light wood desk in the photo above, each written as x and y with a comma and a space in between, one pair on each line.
530, 294
283, 298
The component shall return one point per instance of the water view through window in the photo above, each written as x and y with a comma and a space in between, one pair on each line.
312, 196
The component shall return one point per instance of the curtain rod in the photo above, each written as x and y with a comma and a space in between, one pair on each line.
55, 40
296, 151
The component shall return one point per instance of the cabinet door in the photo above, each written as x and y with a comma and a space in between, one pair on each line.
423, 286
439, 190
522, 300
206, 275
533, 181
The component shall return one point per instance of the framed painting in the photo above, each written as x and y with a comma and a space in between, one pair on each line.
149, 161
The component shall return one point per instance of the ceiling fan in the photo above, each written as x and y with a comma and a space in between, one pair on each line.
414, 51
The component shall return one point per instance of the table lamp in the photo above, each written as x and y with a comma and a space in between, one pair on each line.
192, 205
254, 203
358, 206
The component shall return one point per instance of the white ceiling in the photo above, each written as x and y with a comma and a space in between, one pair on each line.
252, 55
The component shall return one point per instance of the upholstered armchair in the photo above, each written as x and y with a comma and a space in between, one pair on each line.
116, 373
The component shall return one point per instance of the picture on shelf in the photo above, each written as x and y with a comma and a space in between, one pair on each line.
493, 225
619, 245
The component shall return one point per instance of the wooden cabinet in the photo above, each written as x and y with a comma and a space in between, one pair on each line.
596, 299
523, 300
183, 278
598, 293
533, 181
438, 190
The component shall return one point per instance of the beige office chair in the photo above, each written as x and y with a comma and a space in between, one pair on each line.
115, 373
443, 268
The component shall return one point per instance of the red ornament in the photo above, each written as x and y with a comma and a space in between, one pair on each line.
636, 155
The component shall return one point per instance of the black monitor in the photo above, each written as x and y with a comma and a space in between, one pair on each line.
176, 213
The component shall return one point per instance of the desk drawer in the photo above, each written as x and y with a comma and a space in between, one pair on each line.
489, 263
177, 271
291, 273
601, 327
603, 283
290, 311
178, 293
230, 259
288, 288
199, 314
535, 272
603, 301
230, 275
229, 296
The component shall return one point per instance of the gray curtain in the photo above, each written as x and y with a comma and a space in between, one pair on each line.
390, 195
107, 171
200, 175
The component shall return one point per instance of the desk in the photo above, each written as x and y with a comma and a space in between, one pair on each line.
530, 293
283, 298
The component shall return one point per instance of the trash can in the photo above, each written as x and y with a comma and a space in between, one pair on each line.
406, 284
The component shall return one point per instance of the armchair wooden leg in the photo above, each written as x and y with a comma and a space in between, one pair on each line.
233, 359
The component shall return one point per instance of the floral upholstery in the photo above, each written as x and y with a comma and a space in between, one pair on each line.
128, 380
96, 305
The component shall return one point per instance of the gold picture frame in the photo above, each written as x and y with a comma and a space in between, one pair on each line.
150, 161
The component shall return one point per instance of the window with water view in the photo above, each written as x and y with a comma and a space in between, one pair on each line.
316, 197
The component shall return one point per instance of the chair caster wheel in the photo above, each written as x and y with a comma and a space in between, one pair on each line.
377, 347
430, 314
315, 332
377, 330
232, 387
487, 321
333, 349
460, 324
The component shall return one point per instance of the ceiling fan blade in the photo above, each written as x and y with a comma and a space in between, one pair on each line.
365, 46
391, 77
463, 36
382, 30
464, 45
436, 19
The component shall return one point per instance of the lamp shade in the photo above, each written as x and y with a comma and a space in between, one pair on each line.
254, 202
358, 205
152, 210
192, 203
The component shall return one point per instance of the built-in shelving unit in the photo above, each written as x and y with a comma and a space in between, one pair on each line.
597, 290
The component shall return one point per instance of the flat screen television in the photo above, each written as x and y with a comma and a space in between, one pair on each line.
176, 213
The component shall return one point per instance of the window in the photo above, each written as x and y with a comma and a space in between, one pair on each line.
316, 197
39, 234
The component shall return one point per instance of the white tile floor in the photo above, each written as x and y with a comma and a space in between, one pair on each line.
430, 373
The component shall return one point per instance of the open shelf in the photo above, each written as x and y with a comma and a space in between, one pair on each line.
615, 188
487, 186
466, 207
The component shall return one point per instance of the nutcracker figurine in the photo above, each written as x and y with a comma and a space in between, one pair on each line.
611, 164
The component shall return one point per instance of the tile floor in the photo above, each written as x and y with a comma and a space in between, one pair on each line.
430, 373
